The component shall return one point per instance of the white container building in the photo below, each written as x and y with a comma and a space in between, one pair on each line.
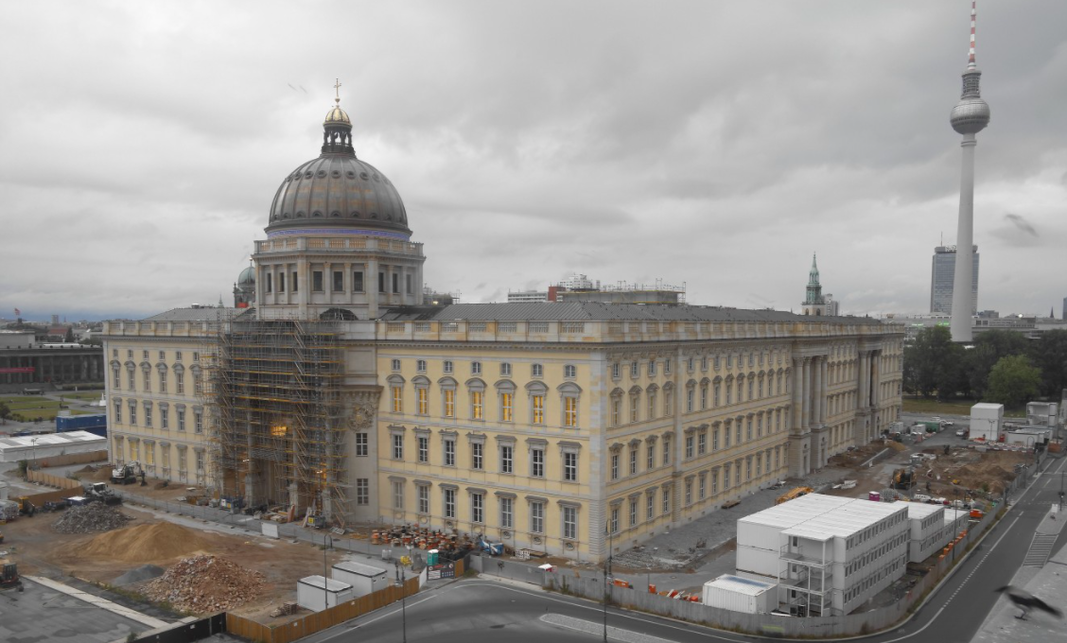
956, 521
927, 535
986, 421
1042, 413
364, 579
317, 593
738, 594
833, 553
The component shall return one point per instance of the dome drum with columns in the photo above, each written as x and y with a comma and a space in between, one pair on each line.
337, 237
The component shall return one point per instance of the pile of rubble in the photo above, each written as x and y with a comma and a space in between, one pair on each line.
205, 583
90, 518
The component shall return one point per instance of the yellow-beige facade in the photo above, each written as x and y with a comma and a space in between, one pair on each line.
558, 427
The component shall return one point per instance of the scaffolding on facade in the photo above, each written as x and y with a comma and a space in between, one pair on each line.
280, 421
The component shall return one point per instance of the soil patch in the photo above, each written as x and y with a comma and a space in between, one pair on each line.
145, 543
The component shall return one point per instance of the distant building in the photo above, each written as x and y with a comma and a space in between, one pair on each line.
244, 290
579, 288
941, 277
527, 296
815, 303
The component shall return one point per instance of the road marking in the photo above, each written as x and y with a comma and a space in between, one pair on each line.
378, 618
589, 627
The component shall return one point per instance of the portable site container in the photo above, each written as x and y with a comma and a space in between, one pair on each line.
759, 535
317, 593
737, 594
364, 579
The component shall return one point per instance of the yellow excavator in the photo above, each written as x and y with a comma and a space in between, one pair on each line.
796, 492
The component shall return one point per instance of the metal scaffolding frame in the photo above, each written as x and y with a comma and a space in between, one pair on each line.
280, 418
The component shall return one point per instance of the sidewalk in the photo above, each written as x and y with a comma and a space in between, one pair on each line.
96, 601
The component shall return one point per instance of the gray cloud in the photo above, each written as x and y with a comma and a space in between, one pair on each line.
712, 144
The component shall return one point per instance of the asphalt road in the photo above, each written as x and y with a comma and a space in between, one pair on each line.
490, 610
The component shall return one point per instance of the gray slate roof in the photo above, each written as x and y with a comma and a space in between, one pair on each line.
204, 313
583, 311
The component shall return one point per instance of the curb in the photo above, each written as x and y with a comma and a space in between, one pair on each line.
103, 603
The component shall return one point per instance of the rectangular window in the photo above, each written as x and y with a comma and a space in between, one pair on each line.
147, 381
450, 403
476, 405
424, 448
570, 371
634, 372
118, 412
688, 492
477, 455
294, 282
362, 444
357, 281
362, 491
726, 476
198, 384
668, 403
450, 452
281, 282
316, 281
614, 466
398, 446
616, 403
180, 417
198, 421
420, 365
450, 503
570, 522
476, 368
651, 369
398, 495
505, 370
650, 460
666, 451
570, 412
614, 524
537, 370
537, 517
666, 502
163, 381
424, 499
338, 281
505, 407
381, 281
633, 511
650, 505
164, 418
148, 414
447, 366
507, 458
633, 462
689, 401
507, 513
398, 399
633, 409
689, 446
422, 399
396, 284
477, 507
269, 282
702, 443
615, 371
537, 463
538, 409
703, 487
570, 467
652, 406
667, 366
703, 397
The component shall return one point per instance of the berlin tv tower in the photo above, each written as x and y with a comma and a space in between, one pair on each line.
969, 117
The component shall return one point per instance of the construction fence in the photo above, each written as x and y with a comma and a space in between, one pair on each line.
312, 623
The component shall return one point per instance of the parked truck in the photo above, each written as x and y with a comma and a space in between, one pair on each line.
124, 473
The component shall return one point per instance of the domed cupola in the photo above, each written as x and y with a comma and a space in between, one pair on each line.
338, 193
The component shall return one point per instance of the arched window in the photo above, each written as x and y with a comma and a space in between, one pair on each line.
448, 396
476, 396
505, 397
570, 396
396, 393
536, 392
422, 395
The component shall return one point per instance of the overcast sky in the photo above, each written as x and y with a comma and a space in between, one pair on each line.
711, 144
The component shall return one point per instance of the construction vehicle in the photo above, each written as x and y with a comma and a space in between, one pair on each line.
904, 478
9, 575
100, 492
124, 473
26, 508
795, 492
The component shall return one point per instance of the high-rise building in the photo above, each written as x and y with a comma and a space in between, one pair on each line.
969, 116
942, 279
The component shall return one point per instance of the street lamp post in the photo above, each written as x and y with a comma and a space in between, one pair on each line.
33, 442
403, 599
325, 582
607, 575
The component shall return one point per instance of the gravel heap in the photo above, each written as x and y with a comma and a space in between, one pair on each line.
204, 584
90, 518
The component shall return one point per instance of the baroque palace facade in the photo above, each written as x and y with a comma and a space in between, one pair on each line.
543, 425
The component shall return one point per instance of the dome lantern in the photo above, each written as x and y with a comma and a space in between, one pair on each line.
337, 127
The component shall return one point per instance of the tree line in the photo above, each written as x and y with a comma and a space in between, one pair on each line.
1001, 366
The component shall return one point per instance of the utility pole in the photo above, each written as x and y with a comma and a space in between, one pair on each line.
403, 600
607, 576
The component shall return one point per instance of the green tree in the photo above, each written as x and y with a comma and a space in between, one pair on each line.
933, 364
1013, 381
5, 412
989, 348
69, 337
1049, 353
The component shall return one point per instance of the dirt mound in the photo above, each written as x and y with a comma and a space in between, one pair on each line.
203, 584
89, 518
897, 446
145, 543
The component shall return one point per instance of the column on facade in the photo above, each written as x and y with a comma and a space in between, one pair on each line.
798, 394
824, 393
817, 390
805, 383
370, 286
348, 284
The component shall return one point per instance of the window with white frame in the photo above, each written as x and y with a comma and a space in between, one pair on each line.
537, 517
396, 365
505, 369
164, 417
613, 524
689, 446
537, 461
570, 466
422, 442
477, 455
633, 512
424, 499
179, 380
507, 458
537, 393
179, 417
666, 450
615, 371
633, 460
133, 412
537, 370
476, 368
507, 512
477, 508
726, 476
362, 444
635, 405
163, 379
616, 409
570, 522
633, 370
450, 502
398, 446
614, 466
449, 445
702, 442
420, 365
666, 501
651, 404
667, 366
118, 411
570, 371
362, 491
447, 366
651, 368
398, 494
650, 506
198, 420
569, 394
688, 491
650, 453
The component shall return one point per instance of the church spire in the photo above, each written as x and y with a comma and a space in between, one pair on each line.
814, 291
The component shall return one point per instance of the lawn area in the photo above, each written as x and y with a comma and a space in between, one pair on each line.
85, 397
24, 399
951, 407
19, 404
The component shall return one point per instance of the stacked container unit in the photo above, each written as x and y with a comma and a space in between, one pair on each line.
317, 593
987, 421
738, 594
364, 579
759, 535
927, 530
956, 521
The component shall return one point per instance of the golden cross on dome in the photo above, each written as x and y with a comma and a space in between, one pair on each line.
337, 88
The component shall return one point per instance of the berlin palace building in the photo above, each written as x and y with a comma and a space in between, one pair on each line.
332, 390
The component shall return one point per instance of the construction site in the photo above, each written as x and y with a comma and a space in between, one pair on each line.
281, 422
